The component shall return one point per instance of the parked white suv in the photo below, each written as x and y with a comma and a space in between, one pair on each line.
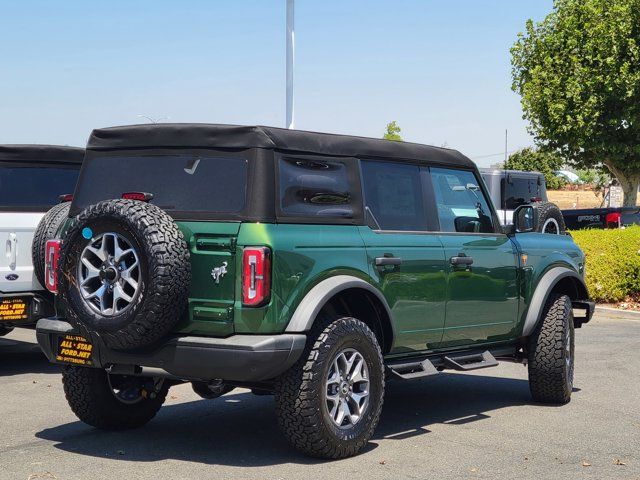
32, 180
510, 189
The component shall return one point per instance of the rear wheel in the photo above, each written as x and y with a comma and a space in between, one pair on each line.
112, 402
329, 403
551, 353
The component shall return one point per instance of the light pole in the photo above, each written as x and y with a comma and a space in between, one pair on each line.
290, 61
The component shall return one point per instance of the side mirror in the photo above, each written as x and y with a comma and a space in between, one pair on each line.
525, 219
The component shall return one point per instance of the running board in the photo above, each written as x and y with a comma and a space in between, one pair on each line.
472, 361
412, 370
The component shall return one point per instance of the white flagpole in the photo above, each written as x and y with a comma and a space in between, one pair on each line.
290, 62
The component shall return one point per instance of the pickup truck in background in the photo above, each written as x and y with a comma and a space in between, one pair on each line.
32, 178
576, 219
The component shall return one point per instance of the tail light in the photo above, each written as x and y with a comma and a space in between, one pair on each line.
536, 199
140, 196
67, 197
256, 276
51, 257
613, 219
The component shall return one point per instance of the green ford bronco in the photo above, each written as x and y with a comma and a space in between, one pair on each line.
311, 266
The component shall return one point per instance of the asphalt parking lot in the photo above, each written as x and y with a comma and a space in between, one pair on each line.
480, 425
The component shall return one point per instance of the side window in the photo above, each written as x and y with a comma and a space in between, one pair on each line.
393, 192
461, 204
315, 188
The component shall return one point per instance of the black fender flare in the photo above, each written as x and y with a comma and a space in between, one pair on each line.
308, 309
545, 286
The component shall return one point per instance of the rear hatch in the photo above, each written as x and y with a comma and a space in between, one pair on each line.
16, 235
204, 192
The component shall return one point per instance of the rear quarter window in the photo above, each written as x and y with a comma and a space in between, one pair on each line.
316, 188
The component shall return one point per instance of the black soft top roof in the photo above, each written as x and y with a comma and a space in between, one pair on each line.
199, 135
41, 154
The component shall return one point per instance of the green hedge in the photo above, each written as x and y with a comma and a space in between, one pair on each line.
613, 262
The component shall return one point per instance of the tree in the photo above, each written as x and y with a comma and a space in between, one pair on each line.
578, 73
587, 175
393, 132
533, 160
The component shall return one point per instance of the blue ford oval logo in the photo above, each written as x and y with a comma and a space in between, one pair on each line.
11, 277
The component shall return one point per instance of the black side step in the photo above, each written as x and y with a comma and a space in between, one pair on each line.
472, 361
412, 370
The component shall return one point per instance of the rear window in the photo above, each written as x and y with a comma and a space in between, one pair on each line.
179, 182
35, 187
520, 191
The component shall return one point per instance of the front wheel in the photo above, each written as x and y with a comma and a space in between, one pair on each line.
551, 353
112, 402
328, 404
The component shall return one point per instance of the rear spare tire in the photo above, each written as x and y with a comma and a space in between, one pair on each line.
550, 219
124, 273
46, 230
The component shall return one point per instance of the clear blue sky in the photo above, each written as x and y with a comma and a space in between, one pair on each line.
439, 68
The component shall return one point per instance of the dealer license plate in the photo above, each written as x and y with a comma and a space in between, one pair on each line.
74, 350
14, 309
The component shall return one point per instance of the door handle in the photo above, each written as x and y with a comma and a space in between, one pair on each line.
461, 259
384, 261
12, 250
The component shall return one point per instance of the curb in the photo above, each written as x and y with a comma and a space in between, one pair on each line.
619, 313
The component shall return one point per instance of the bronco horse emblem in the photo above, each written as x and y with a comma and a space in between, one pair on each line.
218, 272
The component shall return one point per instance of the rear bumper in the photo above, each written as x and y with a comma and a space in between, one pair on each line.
40, 305
240, 358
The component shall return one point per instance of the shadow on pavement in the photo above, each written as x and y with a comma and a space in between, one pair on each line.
18, 357
241, 430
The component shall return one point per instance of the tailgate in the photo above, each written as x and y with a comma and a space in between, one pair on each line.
16, 236
212, 246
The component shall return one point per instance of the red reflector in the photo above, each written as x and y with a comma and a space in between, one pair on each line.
613, 218
51, 256
536, 199
140, 196
256, 276
67, 197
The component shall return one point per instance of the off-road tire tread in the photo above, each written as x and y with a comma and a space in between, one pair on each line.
298, 417
89, 396
46, 230
548, 210
546, 352
169, 271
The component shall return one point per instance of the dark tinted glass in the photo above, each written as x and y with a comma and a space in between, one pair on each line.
393, 192
521, 191
461, 204
185, 182
35, 186
314, 188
